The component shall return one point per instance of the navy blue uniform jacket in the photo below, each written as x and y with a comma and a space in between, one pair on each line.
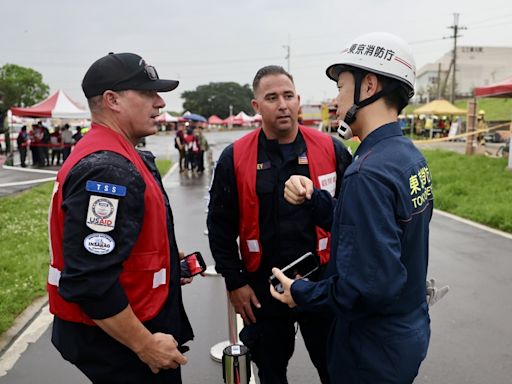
379, 257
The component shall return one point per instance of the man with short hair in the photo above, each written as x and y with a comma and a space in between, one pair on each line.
114, 279
246, 201
380, 225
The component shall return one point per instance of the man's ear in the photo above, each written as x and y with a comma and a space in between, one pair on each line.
111, 100
255, 105
371, 84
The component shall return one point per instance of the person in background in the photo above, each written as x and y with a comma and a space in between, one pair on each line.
22, 142
179, 144
247, 202
191, 148
56, 144
67, 141
203, 147
45, 145
114, 277
77, 135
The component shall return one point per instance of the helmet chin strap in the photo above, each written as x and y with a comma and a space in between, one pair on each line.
344, 129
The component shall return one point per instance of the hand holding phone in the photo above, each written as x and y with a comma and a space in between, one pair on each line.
303, 266
192, 265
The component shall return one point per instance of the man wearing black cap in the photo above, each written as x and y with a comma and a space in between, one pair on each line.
113, 283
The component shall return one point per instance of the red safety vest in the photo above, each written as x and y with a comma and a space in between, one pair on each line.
146, 272
322, 170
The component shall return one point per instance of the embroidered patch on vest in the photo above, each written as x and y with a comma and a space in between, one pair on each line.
105, 188
101, 214
99, 243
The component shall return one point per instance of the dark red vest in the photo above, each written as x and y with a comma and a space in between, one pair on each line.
146, 272
322, 170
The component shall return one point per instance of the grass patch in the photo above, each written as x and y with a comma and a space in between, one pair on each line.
163, 166
474, 187
24, 253
24, 244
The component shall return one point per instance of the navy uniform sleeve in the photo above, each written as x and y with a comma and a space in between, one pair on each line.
223, 222
90, 278
370, 275
322, 202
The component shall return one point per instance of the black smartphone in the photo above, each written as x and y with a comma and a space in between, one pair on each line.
303, 266
192, 265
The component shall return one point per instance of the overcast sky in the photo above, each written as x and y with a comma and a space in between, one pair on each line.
201, 41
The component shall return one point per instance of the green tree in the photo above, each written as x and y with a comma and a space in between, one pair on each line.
215, 99
20, 87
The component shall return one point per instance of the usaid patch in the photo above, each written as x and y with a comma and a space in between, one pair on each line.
101, 214
99, 243
106, 188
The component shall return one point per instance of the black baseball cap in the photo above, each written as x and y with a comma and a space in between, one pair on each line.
121, 72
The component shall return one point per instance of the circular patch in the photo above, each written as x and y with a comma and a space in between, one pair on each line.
99, 243
102, 208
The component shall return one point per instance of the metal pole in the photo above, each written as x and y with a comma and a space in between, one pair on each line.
510, 149
455, 30
230, 124
217, 349
471, 126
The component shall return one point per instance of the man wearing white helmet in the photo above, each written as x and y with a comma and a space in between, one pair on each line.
380, 227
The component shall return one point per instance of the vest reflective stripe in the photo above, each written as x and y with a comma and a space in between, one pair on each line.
146, 272
53, 276
321, 163
159, 278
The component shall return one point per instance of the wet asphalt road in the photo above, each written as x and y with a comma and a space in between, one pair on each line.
471, 333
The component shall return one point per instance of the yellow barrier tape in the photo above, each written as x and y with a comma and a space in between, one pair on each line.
441, 139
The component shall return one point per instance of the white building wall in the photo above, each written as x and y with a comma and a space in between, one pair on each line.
476, 66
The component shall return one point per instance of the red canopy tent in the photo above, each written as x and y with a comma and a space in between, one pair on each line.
166, 117
233, 120
59, 105
215, 120
501, 89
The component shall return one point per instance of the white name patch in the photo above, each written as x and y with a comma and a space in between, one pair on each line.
328, 182
101, 214
99, 243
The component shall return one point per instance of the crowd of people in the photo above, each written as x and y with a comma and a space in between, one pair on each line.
46, 148
191, 144
280, 191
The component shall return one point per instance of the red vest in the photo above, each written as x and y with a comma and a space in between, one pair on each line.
322, 170
146, 272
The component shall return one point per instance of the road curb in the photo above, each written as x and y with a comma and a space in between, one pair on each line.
21, 323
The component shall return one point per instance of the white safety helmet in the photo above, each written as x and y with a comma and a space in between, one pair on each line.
381, 53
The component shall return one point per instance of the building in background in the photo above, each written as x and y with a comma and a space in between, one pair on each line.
476, 66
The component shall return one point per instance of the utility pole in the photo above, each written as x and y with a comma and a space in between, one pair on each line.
439, 81
287, 57
455, 35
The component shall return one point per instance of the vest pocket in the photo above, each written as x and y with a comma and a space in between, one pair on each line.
143, 261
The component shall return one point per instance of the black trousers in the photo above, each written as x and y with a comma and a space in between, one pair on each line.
105, 361
23, 155
272, 342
